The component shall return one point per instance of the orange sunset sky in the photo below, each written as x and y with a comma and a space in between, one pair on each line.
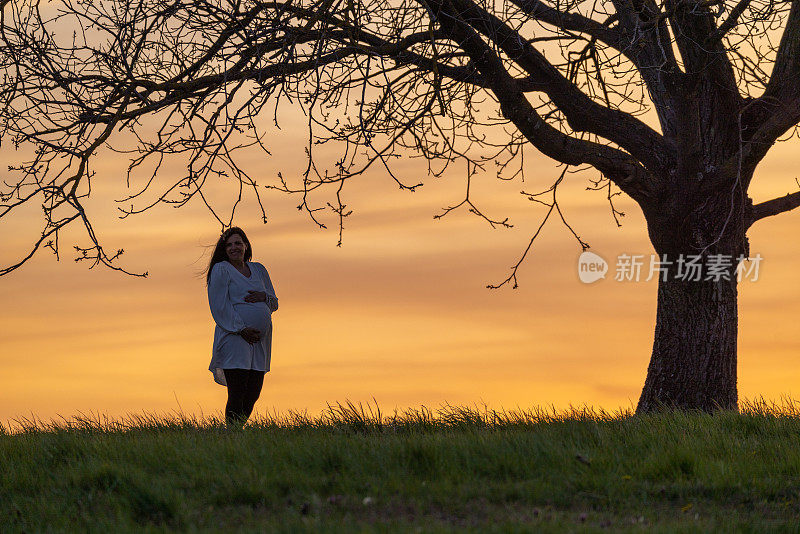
400, 313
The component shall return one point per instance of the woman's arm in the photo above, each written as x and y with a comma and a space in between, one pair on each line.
219, 300
272, 299
272, 302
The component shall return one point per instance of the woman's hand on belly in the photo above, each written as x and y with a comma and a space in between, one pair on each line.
251, 335
255, 296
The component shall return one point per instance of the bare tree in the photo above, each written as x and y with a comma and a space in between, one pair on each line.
473, 81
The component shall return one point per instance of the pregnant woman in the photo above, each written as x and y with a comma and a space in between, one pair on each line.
242, 300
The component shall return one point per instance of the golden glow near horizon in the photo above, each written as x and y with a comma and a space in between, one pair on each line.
400, 313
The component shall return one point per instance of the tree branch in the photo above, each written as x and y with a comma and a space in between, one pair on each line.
568, 21
618, 166
729, 24
709, 72
647, 43
785, 79
756, 147
583, 114
775, 206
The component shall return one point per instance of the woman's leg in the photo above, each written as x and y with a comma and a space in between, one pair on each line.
237, 380
254, 383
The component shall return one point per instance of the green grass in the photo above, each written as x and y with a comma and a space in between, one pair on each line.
456, 469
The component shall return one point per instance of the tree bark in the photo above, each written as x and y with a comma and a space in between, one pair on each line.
693, 365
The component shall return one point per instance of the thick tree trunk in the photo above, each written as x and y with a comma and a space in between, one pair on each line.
694, 358
693, 365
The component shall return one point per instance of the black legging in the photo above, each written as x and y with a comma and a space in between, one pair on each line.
244, 387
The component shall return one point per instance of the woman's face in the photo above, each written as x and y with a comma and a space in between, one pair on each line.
235, 248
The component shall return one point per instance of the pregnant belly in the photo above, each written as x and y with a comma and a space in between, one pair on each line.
255, 315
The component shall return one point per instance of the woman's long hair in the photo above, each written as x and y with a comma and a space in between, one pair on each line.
219, 249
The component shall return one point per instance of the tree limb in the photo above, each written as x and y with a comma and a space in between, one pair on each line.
646, 41
709, 71
775, 206
729, 24
785, 79
583, 114
618, 166
568, 21
758, 144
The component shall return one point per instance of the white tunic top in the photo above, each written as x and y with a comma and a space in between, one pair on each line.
227, 289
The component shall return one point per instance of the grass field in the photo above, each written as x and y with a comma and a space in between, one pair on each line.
454, 469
